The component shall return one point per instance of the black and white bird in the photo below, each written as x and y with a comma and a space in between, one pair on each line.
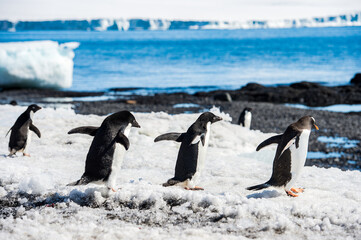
20, 136
192, 152
290, 155
106, 153
245, 118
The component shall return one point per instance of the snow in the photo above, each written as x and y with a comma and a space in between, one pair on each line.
37, 204
345, 108
37, 64
318, 155
342, 142
186, 105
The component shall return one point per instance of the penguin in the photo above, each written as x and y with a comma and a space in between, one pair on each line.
191, 155
290, 155
20, 136
245, 118
106, 152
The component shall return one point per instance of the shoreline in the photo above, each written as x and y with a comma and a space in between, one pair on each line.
269, 114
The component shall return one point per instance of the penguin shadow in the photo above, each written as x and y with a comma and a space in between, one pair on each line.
265, 194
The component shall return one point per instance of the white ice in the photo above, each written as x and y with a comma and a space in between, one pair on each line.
37, 64
345, 108
36, 204
338, 142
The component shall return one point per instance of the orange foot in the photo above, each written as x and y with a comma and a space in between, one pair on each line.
291, 194
297, 190
194, 189
26, 154
114, 190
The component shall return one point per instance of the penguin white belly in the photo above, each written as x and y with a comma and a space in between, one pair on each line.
28, 138
27, 143
118, 157
247, 119
298, 157
202, 150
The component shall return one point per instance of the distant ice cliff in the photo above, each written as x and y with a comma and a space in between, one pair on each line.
44, 64
161, 24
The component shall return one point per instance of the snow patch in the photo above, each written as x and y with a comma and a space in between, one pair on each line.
37, 204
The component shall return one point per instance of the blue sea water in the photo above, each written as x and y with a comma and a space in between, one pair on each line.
193, 60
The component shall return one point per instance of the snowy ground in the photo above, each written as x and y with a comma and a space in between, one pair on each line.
36, 204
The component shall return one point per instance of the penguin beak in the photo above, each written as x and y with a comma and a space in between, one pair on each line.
135, 124
316, 126
216, 119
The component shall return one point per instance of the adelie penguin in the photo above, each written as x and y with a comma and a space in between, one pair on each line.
192, 152
245, 118
20, 136
107, 149
290, 155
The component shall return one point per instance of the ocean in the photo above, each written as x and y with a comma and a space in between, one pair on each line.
201, 60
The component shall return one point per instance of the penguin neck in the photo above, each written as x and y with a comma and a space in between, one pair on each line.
127, 130
31, 114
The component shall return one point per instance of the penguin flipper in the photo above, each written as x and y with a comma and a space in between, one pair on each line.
271, 140
290, 136
35, 129
122, 139
178, 137
198, 138
85, 130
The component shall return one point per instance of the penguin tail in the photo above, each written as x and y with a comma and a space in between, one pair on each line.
81, 181
258, 187
8, 132
170, 182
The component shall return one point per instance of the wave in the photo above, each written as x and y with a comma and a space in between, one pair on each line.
161, 24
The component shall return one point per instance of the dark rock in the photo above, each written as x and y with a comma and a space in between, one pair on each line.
356, 80
253, 87
224, 97
305, 85
13, 102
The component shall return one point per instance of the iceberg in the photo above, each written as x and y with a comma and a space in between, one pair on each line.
38, 64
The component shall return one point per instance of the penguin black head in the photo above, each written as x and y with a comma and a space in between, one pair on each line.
208, 117
307, 122
124, 117
247, 109
34, 108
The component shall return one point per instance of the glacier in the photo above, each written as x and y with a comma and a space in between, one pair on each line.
39, 64
353, 19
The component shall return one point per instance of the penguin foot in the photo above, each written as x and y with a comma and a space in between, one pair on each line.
194, 189
297, 190
26, 154
291, 194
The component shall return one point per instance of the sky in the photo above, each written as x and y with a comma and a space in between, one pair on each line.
175, 9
